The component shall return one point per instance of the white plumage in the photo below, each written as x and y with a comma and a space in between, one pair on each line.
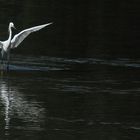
12, 43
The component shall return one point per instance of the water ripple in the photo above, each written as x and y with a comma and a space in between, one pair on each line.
44, 63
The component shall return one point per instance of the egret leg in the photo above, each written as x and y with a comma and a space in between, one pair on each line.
2, 59
8, 60
2, 54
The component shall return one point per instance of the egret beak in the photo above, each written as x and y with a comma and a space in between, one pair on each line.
14, 27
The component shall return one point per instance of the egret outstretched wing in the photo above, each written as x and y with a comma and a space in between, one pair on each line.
1, 45
18, 38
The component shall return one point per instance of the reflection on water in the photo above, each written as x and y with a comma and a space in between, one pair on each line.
82, 98
16, 106
6, 101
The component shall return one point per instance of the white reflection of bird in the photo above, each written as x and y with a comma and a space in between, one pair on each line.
11, 43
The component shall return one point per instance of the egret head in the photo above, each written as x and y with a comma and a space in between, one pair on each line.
11, 24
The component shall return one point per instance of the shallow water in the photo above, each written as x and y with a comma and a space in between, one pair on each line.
58, 98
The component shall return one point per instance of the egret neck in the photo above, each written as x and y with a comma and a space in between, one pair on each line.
10, 35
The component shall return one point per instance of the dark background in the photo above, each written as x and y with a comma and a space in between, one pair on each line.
82, 72
99, 28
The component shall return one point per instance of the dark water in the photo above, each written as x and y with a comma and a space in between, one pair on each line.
75, 80
57, 98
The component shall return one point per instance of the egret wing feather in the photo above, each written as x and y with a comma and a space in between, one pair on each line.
1, 44
18, 38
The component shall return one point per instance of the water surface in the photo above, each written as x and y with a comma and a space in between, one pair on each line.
61, 98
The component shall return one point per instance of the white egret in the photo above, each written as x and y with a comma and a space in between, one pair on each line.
12, 43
